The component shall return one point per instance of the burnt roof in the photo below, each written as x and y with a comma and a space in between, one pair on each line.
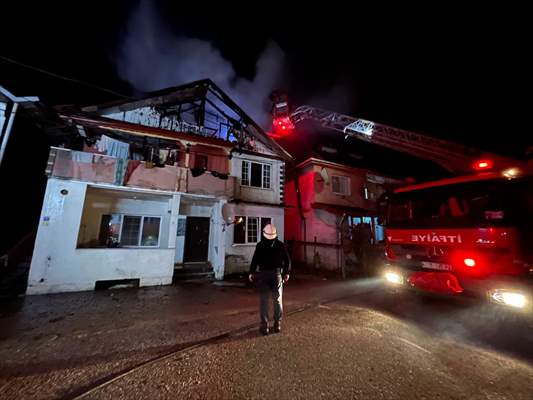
193, 91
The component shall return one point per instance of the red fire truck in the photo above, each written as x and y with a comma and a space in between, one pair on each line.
467, 235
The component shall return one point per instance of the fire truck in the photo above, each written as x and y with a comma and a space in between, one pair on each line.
469, 235
466, 236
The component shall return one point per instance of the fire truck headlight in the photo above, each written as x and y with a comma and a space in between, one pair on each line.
511, 173
508, 298
393, 277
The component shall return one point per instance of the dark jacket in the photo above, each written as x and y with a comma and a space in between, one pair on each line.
270, 255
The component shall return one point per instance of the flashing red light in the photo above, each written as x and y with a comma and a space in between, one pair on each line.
470, 262
282, 125
483, 165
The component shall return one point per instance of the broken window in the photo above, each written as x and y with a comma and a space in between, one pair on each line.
211, 158
109, 235
200, 161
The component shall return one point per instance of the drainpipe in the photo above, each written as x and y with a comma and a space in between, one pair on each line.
341, 248
302, 217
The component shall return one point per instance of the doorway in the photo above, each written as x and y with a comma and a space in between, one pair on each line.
196, 239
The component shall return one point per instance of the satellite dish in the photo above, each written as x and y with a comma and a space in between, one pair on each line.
324, 175
228, 218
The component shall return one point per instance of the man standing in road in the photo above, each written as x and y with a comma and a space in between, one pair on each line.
270, 268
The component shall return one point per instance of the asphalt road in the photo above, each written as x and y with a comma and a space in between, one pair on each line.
368, 345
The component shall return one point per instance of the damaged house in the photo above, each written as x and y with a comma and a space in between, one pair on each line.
331, 198
178, 183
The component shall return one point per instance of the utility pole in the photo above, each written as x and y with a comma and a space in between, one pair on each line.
8, 109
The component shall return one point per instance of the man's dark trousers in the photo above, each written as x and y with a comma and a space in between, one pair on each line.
270, 284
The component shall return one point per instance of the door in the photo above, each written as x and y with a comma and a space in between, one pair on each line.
196, 239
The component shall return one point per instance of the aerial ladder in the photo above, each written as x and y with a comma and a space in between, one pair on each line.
456, 158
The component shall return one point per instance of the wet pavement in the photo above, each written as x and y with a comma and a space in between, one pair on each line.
360, 342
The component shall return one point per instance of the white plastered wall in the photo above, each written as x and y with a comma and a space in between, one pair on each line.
59, 266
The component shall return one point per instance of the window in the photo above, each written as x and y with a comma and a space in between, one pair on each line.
129, 230
131, 227
150, 232
266, 176
265, 222
463, 205
245, 179
372, 190
250, 230
200, 161
239, 231
214, 159
256, 175
340, 185
109, 235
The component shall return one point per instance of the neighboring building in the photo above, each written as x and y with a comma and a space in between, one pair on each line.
326, 203
179, 182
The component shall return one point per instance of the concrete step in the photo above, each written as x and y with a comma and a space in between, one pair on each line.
193, 267
185, 276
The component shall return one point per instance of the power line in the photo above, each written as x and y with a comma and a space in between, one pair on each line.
65, 78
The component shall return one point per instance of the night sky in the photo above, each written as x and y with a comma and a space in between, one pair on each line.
462, 74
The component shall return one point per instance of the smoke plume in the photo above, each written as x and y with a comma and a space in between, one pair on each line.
151, 57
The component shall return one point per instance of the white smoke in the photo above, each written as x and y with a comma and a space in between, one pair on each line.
151, 58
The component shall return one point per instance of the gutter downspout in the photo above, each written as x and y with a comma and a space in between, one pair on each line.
341, 247
302, 217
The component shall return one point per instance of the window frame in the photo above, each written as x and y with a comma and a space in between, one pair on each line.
245, 224
248, 182
348, 185
141, 226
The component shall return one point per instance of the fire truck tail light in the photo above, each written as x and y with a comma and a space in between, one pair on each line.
470, 262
